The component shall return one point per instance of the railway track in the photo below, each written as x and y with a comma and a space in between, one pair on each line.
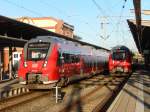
93, 94
100, 97
7, 104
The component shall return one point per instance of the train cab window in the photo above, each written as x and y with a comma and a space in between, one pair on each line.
37, 51
118, 55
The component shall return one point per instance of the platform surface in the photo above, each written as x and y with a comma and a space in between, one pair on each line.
135, 95
7, 84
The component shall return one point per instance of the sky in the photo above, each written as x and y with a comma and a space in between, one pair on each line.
87, 17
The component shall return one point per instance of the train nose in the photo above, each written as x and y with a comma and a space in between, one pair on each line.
36, 66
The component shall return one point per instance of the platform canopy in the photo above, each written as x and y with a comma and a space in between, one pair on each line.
13, 28
6, 41
143, 42
19, 32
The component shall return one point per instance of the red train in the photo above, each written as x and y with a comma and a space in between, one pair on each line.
120, 60
48, 60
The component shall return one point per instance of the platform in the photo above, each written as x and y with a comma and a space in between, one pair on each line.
7, 84
135, 95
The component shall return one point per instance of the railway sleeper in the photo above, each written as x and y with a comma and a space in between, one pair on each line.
13, 92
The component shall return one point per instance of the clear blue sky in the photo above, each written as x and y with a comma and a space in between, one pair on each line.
85, 15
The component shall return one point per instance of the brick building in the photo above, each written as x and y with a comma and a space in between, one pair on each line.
50, 24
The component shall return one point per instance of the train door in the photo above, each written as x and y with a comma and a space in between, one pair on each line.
15, 62
61, 64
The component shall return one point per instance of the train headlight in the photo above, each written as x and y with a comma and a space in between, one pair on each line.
45, 64
25, 64
126, 70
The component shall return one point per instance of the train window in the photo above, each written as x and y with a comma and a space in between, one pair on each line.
94, 64
64, 55
72, 58
76, 59
67, 58
98, 64
60, 59
88, 62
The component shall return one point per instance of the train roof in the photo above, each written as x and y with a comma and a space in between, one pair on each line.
66, 40
69, 46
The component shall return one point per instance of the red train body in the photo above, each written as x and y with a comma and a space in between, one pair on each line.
120, 60
47, 60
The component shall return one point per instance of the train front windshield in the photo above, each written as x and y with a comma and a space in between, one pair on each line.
119, 55
37, 51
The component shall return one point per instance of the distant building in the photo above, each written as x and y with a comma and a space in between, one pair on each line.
50, 24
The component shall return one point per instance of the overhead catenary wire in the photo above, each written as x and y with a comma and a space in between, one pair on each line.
103, 12
60, 11
119, 20
22, 7
37, 13
118, 23
116, 4
56, 8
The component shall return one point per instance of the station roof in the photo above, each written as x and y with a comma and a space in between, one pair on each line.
23, 32
6, 41
143, 42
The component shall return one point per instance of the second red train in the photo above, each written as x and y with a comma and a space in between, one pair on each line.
120, 60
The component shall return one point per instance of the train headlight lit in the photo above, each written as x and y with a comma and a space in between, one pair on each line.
25, 64
113, 62
45, 64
